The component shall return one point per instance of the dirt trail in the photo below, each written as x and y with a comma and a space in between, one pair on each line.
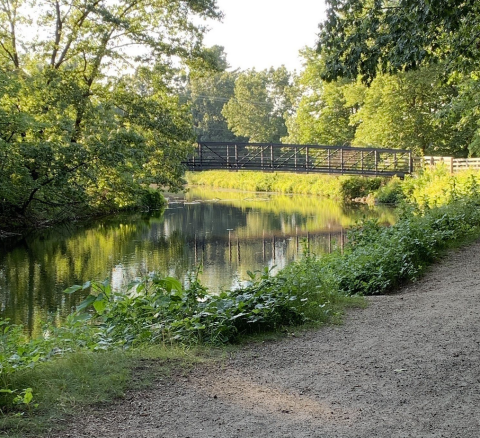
407, 366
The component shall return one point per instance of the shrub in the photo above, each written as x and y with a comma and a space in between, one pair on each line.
152, 199
359, 187
391, 192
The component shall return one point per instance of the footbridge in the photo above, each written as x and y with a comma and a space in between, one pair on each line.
270, 157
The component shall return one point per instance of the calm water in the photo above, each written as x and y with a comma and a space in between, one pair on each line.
226, 233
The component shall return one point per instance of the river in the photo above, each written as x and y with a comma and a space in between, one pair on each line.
218, 235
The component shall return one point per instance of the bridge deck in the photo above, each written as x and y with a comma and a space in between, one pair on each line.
301, 158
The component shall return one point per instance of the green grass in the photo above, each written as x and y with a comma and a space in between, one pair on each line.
339, 187
78, 382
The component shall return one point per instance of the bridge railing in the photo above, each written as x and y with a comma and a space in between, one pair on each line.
301, 158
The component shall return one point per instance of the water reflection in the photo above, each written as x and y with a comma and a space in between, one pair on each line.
227, 233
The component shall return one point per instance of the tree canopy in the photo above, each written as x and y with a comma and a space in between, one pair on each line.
321, 115
257, 109
361, 37
89, 111
207, 92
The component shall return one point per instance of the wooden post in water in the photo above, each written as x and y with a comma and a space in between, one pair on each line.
264, 245
229, 244
296, 238
195, 248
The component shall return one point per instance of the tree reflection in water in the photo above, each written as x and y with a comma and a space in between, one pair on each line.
227, 233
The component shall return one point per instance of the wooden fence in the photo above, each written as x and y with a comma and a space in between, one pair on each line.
453, 164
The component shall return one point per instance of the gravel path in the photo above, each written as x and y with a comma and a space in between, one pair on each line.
407, 366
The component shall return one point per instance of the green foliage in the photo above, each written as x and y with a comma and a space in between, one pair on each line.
463, 108
62, 387
359, 187
81, 131
380, 259
420, 61
258, 107
152, 200
391, 192
436, 186
360, 37
322, 114
416, 110
18, 353
335, 187
207, 93
159, 310
404, 111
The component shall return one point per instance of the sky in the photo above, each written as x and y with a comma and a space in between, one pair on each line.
266, 33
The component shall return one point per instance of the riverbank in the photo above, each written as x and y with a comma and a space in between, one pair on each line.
433, 186
12, 224
338, 187
405, 366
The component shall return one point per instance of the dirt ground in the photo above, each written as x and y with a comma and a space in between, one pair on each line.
406, 366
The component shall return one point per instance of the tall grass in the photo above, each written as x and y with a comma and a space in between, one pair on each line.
335, 187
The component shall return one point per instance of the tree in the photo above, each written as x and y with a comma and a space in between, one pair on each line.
207, 93
464, 110
322, 115
89, 115
404, 111
361, 37
259, 105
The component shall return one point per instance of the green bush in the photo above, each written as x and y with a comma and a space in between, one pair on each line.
152, 199
391, 192
359, 186
379, 259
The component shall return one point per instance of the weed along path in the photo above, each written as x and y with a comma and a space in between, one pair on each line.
406, 366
